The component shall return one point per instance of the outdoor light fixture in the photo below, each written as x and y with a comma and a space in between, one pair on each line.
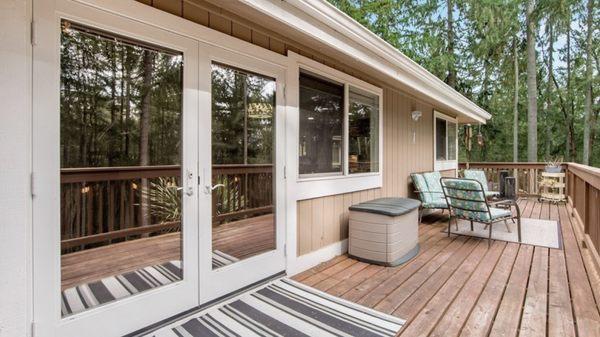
415, 115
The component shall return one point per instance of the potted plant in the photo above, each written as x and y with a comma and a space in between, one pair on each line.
554, 165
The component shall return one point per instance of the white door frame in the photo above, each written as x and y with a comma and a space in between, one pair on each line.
125, 315
226, 279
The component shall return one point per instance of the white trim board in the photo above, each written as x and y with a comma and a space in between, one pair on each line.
322, 22
307, 261
444, 165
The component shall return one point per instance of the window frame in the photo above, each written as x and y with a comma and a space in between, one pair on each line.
448, 164
317, 184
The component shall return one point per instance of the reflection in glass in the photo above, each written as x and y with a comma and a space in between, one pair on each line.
321, 126
120, 151
243, 106
363, 132
440, 139
451, 141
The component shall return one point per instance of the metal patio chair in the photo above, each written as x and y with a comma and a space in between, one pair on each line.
467, 200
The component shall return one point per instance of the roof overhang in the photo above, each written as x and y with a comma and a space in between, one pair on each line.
322, 22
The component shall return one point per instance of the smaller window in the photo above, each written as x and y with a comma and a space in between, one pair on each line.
445, 140
363, 132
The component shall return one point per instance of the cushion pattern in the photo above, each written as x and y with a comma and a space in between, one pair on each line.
433, 181
421, 186
467, 199
478, 175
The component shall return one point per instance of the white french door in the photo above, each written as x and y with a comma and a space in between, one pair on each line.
115, 164
242, 232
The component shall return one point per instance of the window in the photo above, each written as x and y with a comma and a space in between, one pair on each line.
363, 132
445, 138
321, 126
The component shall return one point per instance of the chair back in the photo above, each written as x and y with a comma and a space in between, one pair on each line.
466, 199
478, 175
421, 186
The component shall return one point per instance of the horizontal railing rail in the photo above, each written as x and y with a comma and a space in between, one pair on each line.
582, 190
103, 205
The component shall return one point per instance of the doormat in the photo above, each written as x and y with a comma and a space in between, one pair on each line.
284, 308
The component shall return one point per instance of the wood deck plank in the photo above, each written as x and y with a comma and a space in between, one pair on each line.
472, 274
533, 322
472, 314
508, 317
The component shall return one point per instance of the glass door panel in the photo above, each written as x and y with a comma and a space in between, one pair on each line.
243, 217
120, 167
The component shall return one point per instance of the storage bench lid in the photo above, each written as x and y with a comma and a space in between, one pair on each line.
387, 206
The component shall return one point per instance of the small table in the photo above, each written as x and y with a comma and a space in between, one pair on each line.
552, 187
384, 231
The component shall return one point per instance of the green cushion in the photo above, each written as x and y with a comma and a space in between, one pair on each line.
478, 175
499, 213
439, 203
433, 181
467, 199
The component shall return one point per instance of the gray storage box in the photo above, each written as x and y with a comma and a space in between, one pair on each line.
384, 231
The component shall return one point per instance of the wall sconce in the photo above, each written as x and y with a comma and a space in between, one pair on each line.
415, 115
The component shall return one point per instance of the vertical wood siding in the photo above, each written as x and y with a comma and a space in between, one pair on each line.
323, 221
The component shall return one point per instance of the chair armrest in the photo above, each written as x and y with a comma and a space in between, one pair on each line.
510, 203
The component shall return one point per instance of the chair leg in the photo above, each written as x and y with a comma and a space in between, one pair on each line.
449, 225
519, 228
490, 237
420, 214
456, 223
507, 227
471, 225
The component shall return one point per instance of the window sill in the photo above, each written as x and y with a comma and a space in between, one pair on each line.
443, 165
315, 187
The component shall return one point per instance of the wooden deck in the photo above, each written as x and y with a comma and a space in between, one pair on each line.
457, 286
241, 239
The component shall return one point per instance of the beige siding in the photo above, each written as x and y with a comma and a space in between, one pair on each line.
318, 227
323, 221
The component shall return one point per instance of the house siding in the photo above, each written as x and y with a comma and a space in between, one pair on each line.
324, 221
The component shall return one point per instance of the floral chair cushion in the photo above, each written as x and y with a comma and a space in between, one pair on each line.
429, 199
478, 175
433, 181
467, 199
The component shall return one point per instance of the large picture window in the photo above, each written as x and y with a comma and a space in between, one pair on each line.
321, 126
334, 139
445, 140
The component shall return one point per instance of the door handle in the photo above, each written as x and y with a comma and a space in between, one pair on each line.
210, 188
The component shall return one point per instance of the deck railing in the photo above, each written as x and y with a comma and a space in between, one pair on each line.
582, 190
102, 205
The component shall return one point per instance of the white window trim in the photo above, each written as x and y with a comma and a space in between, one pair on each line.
302, 187
444, 165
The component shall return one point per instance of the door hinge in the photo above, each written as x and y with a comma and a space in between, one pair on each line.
284, 172
33, 33
32, 332
285, 249
31, 184
284, 93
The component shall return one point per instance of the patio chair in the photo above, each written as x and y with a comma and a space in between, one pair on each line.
479, 175
466, 200
428, 188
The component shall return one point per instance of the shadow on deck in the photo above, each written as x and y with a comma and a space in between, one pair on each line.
459, 286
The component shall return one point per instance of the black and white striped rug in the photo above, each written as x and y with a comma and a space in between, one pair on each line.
284, 308
89, 295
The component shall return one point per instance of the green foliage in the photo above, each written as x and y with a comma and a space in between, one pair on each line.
484, 33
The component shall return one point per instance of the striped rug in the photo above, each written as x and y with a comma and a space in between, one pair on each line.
284, 308
89, 295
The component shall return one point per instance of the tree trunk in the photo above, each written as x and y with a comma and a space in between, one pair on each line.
588, 123
145, 134
516, 105
548, 112
451, 79
531, 85
571, 152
